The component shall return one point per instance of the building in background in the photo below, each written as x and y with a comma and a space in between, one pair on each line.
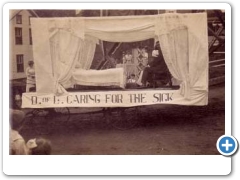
21, 38
20, 42
20, 51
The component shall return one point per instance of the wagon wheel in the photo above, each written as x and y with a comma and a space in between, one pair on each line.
58, 114
39, 121
57, 117
81, 122
122, 118
28, 118
27, 122
64, 112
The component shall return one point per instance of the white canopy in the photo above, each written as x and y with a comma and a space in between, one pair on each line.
59, 44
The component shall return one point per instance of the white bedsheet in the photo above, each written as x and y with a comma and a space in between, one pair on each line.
108, 77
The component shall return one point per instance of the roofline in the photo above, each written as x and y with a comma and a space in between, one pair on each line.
30, 11
35, 14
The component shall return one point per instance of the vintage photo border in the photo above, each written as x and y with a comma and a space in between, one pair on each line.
115, 165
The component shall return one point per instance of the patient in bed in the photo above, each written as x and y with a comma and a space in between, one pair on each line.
106, 77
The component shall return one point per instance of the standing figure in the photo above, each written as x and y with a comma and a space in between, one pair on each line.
30, 72
128, 59
157, 65
144, 55
18, 100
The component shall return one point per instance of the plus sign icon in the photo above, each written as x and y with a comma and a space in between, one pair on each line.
227, 145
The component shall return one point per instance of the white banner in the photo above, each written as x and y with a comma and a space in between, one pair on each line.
110, 99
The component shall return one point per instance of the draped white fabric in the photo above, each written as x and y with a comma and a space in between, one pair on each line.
121, 29
65, 52
61, 44
198, 66
87, 53
68, 51
113, 29
175, 50
198, 51
183, 45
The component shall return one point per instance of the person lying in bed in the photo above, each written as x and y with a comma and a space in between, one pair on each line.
105, 77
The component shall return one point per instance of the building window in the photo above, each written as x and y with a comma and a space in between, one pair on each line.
18, 35
30, 36
19, 19
20, 63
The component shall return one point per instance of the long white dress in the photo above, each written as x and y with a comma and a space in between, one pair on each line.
31, 82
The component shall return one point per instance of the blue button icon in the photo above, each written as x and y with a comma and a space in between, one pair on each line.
227, 145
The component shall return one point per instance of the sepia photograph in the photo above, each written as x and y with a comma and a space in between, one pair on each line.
116, 82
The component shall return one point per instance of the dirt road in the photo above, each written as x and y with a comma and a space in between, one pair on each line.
168, 130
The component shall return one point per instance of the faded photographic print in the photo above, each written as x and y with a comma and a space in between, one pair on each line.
116, 82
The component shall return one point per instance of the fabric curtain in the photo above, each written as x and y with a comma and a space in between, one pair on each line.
65, 52
173, 38
198, 65
113, 29
87, 53
198, 50
66, 40
68, 51
121, 29
184, 46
